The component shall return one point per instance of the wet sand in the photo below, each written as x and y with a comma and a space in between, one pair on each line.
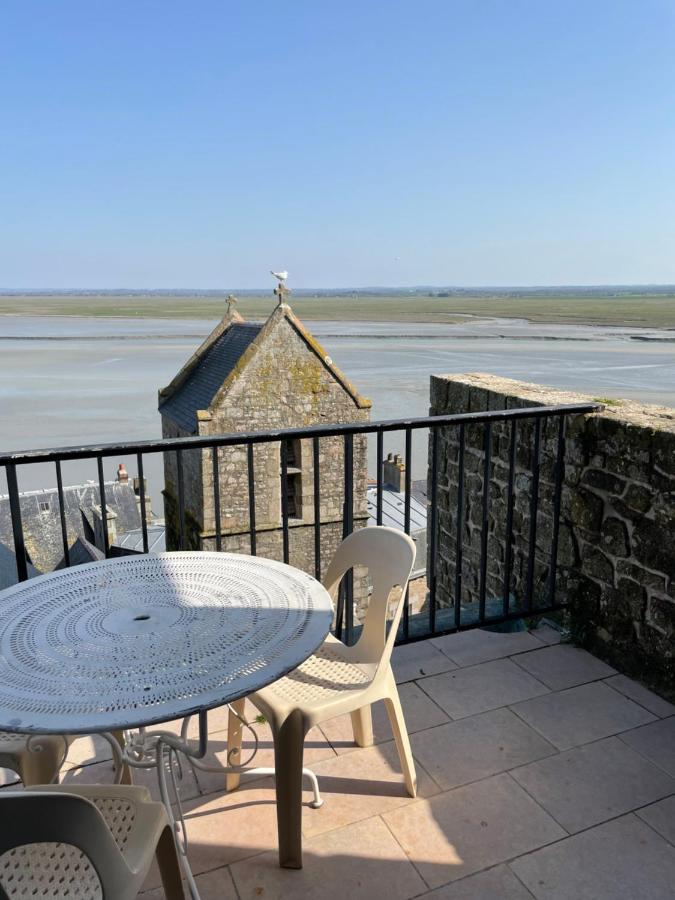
66, 380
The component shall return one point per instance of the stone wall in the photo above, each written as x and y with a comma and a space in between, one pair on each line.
616, 556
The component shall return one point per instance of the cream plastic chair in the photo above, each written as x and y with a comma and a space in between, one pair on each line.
338, 679
36, 759
94, 842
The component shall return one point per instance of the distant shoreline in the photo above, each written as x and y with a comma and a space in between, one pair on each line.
628, 307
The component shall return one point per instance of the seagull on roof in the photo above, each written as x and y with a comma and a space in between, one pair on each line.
281, 276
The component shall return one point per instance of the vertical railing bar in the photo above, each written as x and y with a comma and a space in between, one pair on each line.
181, 500
380, 475
459, 526
253, 536
348, 527
534, 506
487, 462
62, 513
508, 560
17, 526
215, 466
433, 527
284, 500
141, 488
406, 522
557, 499
317, 508
104, 506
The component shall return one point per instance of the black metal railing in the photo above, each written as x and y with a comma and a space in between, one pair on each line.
449, 544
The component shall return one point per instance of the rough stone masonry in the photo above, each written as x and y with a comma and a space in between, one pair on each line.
249, 377
616, 557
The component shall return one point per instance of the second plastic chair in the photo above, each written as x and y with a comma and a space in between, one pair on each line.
339, 679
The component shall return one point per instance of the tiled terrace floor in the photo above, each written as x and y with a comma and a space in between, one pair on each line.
542, 773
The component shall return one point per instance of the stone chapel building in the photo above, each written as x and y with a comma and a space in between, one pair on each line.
249, 376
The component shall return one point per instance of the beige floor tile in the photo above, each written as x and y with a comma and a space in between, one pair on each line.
476, 646
477, 746
317, 748
496, 884
223, 828
419, 711
358, 785
88, 749
591, 784
546, 634
661, 816
217, 885
564, 666
656, 742
633, 689
471, 828
102, 773
619, 860
581, 714
465, 692
359, 862
416, 660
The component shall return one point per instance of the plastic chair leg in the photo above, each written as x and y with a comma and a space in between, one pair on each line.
362, 725
235, 730
289, 741
169, 867
41, 766
397, 721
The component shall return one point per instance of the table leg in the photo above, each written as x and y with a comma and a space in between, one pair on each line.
289, 739
126, 771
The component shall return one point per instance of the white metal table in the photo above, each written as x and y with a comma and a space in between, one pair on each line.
140, 640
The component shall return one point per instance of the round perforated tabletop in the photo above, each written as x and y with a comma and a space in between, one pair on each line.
140, 640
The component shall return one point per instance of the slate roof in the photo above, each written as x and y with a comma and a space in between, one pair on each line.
41, 522
132, 542
206, 377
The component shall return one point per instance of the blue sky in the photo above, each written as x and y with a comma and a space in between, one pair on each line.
175, 144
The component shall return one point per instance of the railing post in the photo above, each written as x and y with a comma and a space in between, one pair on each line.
433, 529
215, 466
141, 487
534, 507
557, 498
317, 508
62, 514
459, 530
17, 526
284, 501
104, 506
250, 464
487, 462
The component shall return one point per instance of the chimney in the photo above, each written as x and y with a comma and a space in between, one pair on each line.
122, 474
111, 518
148, 500
393, 472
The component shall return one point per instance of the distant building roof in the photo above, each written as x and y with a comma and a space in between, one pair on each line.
41, 521
201, 383
82, 551
393, 515
8, 567
393, 510
133, 540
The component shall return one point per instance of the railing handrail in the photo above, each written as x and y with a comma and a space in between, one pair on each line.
312, 431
